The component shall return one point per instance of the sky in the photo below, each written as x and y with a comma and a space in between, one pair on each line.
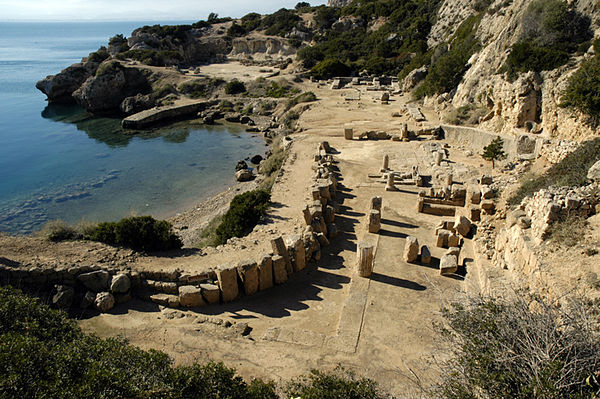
135, 10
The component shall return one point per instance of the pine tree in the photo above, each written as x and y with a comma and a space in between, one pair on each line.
493, 151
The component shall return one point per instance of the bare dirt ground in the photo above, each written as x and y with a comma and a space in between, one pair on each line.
324, 316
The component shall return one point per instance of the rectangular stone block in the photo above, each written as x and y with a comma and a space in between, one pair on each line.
280, 275
248, 273
279, 248
374, 221
227, 276
448, 265
348, 133
190, 296
442, 238
265, 273
295, 247
211, 293
365, 257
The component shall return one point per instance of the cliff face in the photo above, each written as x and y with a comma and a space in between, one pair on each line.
531, 101
260, 47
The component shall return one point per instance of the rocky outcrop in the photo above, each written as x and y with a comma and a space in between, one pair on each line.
105, 91
260, 46
338, 3
60, 87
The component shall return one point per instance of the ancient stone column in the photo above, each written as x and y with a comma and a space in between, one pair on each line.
425, 255
374, 221
386, 163
348, 133
439, 156
449, 179
391, 184
411, 249
365, 252
404, 132
420, 204
376, 203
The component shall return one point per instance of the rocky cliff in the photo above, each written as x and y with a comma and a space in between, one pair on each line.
531, 101
260, 47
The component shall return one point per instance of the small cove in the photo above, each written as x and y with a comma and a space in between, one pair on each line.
59, 162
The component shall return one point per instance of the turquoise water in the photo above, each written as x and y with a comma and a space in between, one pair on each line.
59, 162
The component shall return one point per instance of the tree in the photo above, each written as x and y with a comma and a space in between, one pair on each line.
493, 151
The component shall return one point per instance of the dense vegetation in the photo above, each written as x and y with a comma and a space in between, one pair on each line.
551, 31
46, 355
520, 348
245, 210
152, 57
202, 87
142, 233
583, 89
235, 87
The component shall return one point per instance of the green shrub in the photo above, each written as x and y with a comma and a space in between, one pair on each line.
120, 42
226, 106
142, 233
236, 30
307, 97
244, 213
447, 70
200, 87
251, 21
98, 56
526, 56
46, 355
570, 171
235, 87
337, 384
310, 56
153, 57
511, 349
494, 151
583, 88
329, 68
280, 23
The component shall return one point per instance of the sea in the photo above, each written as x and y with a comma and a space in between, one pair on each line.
60, 162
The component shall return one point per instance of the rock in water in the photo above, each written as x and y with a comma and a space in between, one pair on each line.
241, 165
244, 175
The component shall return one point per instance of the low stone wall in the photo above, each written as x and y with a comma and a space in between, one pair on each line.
153, 116
522, 146
70, 286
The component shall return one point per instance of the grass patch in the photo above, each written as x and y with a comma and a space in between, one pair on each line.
307, 97
208, 236
59, 230
568, 230
569, 172
465, 115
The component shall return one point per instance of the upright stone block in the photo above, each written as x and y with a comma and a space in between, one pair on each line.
411, 249
462, 225
374, 221
453, 240
279, 248
474, 194
280, 275
295, 247
474, 213
439, 156
420, 204
265, 273
391, 184
386, 163
425, 255
228, 282
248, 273
307, 215
449, 179
365, 253
348, 133
442, 238
376, 203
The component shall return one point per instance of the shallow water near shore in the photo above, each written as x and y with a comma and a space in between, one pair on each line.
59, 162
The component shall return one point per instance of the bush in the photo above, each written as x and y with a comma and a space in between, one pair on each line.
142, 233
46, 355
153, 57
235, 87
236, 30
59, 230
280, 23
338, 384
307, 97
200, 87
526, 56
251, 21
245, 211
98, 56
330, 68
570, 171
583, 88
518, 348
120, 42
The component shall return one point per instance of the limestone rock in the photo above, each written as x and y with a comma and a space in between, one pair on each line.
190, 296
134, 104
171, 301
448, 265
462, 225
120, 284
88, 300
248, 273
60, 87
411, 249
106, 91
374, 221
211, 293
365, 257
227, 276
265, 273
594, 172
96, 281
413, 78
280, 275
425, 255
104, 302
244, 175
63, 298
